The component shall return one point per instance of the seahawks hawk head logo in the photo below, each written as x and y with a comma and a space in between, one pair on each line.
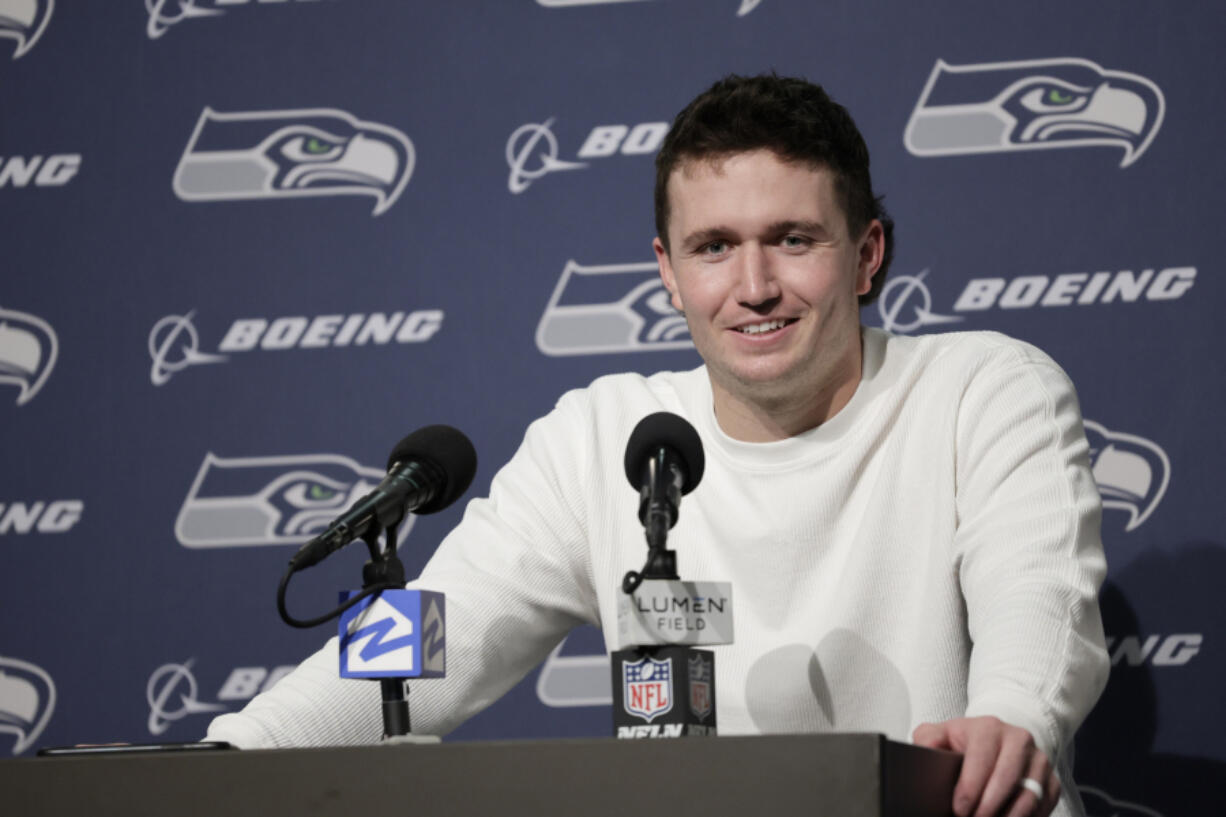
282, 154
610, 308
1032, 105
1132, 473
24, 21
252, 501
27, 699
28, 349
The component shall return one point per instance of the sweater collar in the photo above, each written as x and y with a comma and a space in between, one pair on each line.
816, 443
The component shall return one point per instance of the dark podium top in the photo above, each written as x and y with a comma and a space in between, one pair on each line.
843, 775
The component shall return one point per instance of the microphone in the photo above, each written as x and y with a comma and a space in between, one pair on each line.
664, 461
662, 686
426, 471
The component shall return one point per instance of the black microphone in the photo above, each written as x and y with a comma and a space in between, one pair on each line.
661, 686
426, 472
664, 461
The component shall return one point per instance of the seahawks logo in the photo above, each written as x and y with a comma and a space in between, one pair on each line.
24, 21
27, 699
28, 349
610, 308
287, 154
1033, 105
1132, 473
253, 501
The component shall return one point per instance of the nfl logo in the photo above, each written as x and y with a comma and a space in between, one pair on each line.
647, 687
700, 686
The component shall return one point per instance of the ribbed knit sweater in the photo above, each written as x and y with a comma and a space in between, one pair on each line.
931, 551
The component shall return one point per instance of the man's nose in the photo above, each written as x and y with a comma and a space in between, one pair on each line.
756, 282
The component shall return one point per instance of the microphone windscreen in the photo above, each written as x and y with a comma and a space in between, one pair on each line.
448, 450
664, 429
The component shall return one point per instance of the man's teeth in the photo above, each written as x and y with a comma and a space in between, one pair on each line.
767, 326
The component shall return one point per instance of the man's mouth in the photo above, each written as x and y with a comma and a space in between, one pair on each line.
764, 326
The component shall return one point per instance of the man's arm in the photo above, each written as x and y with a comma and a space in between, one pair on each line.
1030, 564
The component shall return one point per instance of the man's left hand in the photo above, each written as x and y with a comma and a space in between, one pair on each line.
997, 758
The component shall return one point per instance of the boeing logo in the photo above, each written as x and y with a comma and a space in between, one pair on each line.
1032, 105
1132, 472
165, 13
24, 21
44, 517
55, 170
161, 18
905, 304
293, 153
610, 308
28, 349
745, 7
532, 149
1155, 650
257, 501
172, 694
174, 343
27, 699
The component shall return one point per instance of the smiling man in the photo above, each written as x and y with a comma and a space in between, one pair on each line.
910, 523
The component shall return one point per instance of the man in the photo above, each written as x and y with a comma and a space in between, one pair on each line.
910, 523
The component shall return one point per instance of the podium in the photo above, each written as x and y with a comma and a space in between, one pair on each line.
854, 775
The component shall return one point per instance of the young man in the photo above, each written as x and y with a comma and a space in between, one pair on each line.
910, 523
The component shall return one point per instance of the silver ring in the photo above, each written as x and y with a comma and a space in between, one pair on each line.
1033, 786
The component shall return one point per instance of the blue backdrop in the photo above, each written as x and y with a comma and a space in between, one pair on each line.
248, 245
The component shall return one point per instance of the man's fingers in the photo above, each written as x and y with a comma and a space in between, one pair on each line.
932, 735
979, 759
1027, 801
1012, 762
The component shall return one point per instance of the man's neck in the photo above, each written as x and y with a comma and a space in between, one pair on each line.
758, 414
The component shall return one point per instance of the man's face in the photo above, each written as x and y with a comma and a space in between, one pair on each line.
763, 267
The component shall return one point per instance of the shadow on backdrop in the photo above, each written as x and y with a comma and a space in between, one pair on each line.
1118, 771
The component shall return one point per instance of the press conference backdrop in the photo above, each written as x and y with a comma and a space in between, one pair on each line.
248, 245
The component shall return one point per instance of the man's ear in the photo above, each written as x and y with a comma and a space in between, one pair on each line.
872, 251
666, 274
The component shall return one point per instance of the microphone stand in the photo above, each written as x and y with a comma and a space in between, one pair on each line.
383, 569
660, 500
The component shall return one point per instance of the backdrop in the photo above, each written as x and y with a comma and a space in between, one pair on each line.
248, 245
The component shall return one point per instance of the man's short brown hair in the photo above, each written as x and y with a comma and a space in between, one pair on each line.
797, 121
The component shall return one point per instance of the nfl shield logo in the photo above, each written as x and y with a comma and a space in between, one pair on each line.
700, 687
648, 687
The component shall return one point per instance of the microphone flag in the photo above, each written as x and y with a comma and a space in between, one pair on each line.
664, 692
394, 634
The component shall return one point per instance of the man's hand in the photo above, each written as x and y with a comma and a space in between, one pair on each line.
997, 758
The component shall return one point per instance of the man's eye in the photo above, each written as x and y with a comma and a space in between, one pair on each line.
795, 241
715, 248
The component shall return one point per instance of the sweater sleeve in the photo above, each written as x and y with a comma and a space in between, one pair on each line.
1028, 549
516, 574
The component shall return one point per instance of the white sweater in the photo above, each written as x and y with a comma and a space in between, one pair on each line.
930, 552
